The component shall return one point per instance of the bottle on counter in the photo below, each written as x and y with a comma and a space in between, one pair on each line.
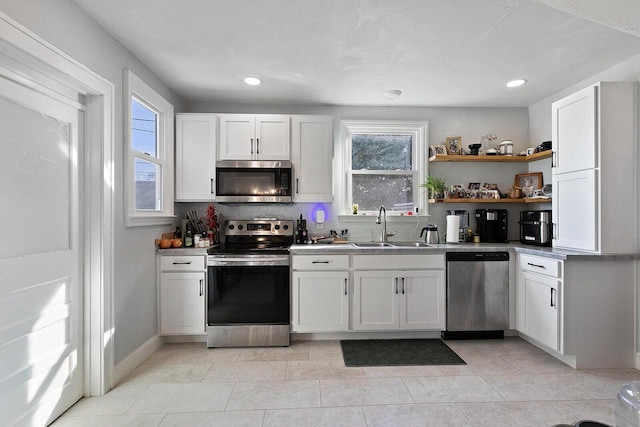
188, 238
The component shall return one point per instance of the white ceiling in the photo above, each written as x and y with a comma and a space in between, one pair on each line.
348, 52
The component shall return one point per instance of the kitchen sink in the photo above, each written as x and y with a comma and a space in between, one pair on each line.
411, 245
373, 245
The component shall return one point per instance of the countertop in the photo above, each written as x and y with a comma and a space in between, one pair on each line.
462, 247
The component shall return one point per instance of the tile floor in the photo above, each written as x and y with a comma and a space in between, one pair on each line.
505, 383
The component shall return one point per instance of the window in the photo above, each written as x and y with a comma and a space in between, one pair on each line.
385, 165
149, 172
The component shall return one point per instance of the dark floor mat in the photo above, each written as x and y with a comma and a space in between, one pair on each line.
405, 352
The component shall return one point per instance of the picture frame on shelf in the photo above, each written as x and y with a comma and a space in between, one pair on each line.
529, 182
454, 145
439, 150
474, 186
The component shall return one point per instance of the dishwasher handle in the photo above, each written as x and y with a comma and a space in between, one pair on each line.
477, 256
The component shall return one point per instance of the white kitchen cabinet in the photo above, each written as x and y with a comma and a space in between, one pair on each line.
195, 157
579, 310
320, 301
182, 295
320, 293
254, 137
392, 300
312, 156
410, 298
594, 139
538, 312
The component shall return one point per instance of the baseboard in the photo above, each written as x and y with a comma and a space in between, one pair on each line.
185, 338
136, 357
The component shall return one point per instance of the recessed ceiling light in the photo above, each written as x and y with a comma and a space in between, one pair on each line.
252, 81
516, 83
392, 94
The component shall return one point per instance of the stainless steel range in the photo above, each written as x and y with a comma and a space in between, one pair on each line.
248, 285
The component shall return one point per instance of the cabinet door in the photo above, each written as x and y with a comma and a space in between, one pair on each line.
574, 130
273, 141
237, 137
575, 210
320, 301
422, 300
375, 295
312, 155
539, 312
195, 157
182, 303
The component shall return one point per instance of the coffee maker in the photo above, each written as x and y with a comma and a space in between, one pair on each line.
464, 222
493, 225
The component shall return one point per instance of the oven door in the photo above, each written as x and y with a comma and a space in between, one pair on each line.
251, 290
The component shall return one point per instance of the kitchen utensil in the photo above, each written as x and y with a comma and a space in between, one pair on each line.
506, 148
432, 236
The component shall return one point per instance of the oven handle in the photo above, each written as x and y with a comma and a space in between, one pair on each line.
250, 262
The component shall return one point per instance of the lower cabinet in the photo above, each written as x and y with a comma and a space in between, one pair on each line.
539, 305
320, 301
392, 300
182, 295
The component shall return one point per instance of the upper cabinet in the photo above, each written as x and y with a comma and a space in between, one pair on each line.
595, 156
575, 131
195, 157
312, 155
254, 137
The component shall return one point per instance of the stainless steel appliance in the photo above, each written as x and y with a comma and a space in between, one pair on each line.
253, 181
248, 285
432, 235
464, 222
493, 225
477, 295
536, 227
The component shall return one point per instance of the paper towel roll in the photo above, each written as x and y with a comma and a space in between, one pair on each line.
453, 228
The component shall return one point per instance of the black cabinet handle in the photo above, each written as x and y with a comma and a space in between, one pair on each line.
552, 303
251, 145
201, 287
536, 265
212, 189
403, 286
396, 286
257, 145
553, 159
319, 262
182, 263
297, 186
346, 287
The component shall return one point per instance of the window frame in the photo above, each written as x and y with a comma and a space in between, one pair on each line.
144, 94
419, 132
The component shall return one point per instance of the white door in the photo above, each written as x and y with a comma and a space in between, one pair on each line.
195, 157
320, 301
41, 277
237, 135
375, 300
182, 309
541, 312
312, 153
273, 140
422, 302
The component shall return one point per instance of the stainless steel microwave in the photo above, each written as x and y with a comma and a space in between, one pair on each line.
251, 181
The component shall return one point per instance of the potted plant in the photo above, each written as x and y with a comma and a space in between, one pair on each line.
436, 186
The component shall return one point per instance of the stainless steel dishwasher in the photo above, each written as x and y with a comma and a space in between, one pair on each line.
477, 295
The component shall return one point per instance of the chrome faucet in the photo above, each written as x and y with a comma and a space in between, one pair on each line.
382, 219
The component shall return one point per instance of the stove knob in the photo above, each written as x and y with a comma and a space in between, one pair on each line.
231, 226
277, 227
240, 226
286, 227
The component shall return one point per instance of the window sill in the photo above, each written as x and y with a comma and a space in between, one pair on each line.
148, 221
390, 218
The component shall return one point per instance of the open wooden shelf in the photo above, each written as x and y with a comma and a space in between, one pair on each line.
497, 158
461, 200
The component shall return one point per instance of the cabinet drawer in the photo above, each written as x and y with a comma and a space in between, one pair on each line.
385, 262
182, 263
547, 266
320, 262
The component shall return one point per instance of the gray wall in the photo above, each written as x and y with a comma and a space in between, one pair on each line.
63, 24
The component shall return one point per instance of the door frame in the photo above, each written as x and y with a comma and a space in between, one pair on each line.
35, 56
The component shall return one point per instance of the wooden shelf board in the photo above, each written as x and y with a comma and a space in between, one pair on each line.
524, 200
505, 159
